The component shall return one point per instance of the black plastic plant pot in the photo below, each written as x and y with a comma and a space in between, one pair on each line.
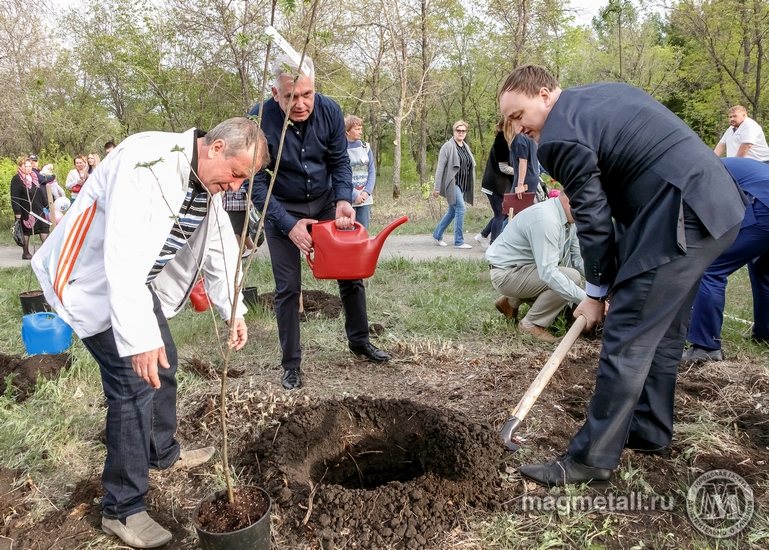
33, 302
251, 297
254, 537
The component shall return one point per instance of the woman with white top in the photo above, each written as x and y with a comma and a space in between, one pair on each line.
77, 176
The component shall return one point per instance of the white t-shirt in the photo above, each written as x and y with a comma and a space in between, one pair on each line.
747, 132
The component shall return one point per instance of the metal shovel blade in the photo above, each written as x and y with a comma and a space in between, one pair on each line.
527, 401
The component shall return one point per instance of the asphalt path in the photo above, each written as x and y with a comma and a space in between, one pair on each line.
410, 247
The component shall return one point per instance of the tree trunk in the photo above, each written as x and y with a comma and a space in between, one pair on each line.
422, 159
398, 149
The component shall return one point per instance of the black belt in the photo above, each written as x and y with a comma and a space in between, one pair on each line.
497, 267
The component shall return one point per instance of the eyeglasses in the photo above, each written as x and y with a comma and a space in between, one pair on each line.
460, 131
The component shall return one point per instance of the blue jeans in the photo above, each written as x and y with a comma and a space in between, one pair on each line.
752, 243
363, 215
456, 212
141, 422
494, 227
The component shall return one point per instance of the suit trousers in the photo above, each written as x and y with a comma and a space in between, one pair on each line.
708, 311
287, 271
643, 337
521, 284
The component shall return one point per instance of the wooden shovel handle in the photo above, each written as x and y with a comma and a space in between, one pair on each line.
547, 372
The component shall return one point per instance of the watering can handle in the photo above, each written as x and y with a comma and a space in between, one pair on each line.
355, 227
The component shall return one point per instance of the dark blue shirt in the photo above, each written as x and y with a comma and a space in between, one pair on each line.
523, 147
753, 178
41, 178
314, 158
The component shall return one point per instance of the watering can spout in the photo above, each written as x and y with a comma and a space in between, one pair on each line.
378, 242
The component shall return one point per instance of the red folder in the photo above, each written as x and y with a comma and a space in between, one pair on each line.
511, 200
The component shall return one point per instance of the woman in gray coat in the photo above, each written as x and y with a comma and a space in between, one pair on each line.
455, 180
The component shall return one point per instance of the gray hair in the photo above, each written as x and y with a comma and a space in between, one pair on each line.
238, 135
284, 60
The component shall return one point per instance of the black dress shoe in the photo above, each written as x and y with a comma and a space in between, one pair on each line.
291, 379
564, 470
756, 339
371, 352
638, 444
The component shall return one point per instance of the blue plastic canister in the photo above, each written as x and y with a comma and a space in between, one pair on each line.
45, 333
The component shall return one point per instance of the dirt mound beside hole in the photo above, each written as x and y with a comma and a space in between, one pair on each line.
316, 304
27, 370
374, 473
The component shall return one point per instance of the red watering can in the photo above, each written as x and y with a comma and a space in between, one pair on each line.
346, 254
198, 296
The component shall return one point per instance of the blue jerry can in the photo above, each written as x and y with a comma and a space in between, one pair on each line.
45, 333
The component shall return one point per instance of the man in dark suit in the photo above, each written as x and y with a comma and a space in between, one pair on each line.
751, 248
313, 183
653, 207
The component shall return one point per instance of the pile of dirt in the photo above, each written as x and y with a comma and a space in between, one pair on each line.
26, 371
370, 473
317, 304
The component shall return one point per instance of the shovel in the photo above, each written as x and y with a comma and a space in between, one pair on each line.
529, 398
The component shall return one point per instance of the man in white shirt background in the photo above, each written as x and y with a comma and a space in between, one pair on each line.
744, 138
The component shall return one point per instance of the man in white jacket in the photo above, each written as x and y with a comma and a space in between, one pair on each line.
121, 262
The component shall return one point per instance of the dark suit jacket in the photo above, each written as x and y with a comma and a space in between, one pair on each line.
494, 179
627, 165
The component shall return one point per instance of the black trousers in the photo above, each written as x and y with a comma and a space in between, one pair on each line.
643, 337
287, 270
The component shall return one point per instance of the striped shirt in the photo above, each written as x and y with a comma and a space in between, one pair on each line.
192, 212
465, 165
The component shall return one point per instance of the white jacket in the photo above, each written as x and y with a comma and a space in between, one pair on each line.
93, 267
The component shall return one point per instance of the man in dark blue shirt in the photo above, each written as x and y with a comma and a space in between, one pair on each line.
313, 183
751, 248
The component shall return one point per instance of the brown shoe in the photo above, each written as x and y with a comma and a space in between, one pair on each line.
504, 307
539, 333
194, 458
139, 531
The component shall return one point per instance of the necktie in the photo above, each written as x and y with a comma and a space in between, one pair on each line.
566, 249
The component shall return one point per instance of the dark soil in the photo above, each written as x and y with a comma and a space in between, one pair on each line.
71, 526
26, 371
422, 465
207, 371
316, 304
218, 515
377, 473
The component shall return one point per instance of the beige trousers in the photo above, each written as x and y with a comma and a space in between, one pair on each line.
522, 284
